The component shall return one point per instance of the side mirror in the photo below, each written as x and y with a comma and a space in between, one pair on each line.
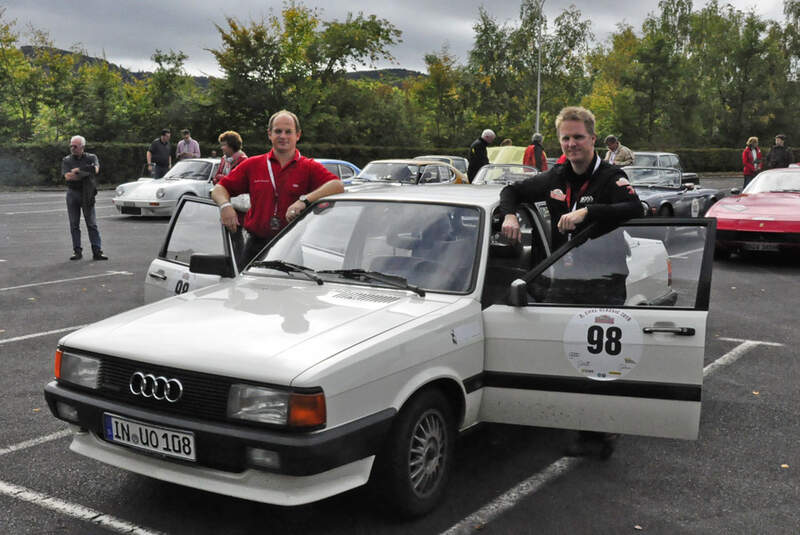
518, 293
211, 264
735, 191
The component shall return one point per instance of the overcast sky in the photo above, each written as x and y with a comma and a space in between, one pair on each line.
128, 31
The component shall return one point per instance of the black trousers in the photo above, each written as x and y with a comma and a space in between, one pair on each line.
252, 247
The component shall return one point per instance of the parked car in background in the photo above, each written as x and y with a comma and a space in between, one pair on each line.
763, 217
367, 334
158, 197
665, 192
507, 154
346, 171
458, 162
406, 172
663, 159
505, 173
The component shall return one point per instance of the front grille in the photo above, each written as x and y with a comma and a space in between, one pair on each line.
762, 237
204, 396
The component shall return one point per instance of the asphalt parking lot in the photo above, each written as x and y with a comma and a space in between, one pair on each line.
741, 476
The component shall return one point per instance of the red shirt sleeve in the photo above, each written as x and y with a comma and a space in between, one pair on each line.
238, 180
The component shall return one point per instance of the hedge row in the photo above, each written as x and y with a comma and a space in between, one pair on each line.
40, 164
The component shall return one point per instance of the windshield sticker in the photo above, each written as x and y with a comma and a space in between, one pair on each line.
603, 344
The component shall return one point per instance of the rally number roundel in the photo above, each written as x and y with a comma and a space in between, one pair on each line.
603, 343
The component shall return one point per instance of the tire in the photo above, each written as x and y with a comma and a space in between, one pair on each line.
410, 481
665, 211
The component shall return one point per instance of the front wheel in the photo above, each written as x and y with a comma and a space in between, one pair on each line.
411, 472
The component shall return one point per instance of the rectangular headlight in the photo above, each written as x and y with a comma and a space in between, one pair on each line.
258, 404
77, 369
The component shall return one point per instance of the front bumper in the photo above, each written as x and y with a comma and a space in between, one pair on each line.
221, 447
757, 240
144, 208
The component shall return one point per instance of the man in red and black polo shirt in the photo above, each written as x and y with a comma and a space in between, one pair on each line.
281, 183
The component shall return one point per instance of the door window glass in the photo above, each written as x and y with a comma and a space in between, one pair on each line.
346, 172
197, 229
629, 266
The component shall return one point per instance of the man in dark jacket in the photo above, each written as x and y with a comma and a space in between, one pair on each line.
779, 156
582, 191
477, 153
79, 170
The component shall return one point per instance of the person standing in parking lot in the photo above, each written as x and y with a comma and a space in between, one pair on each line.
535, 155
230, 143
159, 155
281, 184
478, 157
618, 154
187, 147
582, 191
751, 160
79, 170
779, 156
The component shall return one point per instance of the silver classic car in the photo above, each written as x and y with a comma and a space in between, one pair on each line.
158, 196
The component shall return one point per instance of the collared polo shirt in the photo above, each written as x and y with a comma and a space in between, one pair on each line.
159, 152
299, 177
191, 146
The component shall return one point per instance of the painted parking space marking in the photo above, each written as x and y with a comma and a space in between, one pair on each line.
33, 284
509, 499
35, 442
684, 255
73, 510
45, 333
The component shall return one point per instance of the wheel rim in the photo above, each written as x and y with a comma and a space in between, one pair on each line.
426, 456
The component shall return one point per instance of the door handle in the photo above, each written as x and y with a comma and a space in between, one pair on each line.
159, 276
678, 331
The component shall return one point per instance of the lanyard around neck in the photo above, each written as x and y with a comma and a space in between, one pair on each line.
274, 186
582, 190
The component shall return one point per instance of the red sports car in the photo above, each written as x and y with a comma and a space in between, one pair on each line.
764, 217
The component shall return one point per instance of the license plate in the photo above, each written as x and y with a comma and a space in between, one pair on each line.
761, 247
153, 438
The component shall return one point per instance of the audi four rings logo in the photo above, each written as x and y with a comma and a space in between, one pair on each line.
157, 387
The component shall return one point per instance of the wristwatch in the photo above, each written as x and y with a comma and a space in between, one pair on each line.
305, 200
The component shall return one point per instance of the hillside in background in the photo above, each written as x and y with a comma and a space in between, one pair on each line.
388, 76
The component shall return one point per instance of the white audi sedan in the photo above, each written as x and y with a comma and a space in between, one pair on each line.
371, 331
159, 196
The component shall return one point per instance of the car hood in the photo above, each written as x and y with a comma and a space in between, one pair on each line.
784, 206
265, 329
147, 190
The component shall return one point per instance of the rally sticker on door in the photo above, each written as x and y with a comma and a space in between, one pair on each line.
603, 343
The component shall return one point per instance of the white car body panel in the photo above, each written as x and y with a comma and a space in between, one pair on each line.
370, 349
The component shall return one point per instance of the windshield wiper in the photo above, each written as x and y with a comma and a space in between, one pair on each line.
288, 267
391, 280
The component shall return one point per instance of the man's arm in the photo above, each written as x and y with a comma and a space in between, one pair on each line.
196, 149
227, 214
332, 187
530, 190
624, 157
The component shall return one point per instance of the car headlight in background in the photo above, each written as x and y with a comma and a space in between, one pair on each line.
160, 193
77, 369
277, 407
120, 191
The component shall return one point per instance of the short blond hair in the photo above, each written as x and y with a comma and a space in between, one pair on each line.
284, 112
751, 140
575, 113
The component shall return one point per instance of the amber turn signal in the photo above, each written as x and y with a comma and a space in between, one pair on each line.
58, 363
307, 410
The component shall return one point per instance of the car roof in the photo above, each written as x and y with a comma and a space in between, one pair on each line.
333, 160
654, 153
409, 161
208, 160
485, 196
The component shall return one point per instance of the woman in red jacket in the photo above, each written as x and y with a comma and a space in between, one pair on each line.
751, 159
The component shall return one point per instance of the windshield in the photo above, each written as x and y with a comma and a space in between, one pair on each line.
774, 181
192, 169
503, 174
390, 172
645, 160
653, 176
432, 246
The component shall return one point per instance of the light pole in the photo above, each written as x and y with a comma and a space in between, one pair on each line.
538, 82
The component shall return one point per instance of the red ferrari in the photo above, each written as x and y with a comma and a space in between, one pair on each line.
764, 217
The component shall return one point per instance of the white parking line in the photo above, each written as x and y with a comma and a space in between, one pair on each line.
104, 274
35, 441
72, 509
685, 254
35, 335
509, 499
